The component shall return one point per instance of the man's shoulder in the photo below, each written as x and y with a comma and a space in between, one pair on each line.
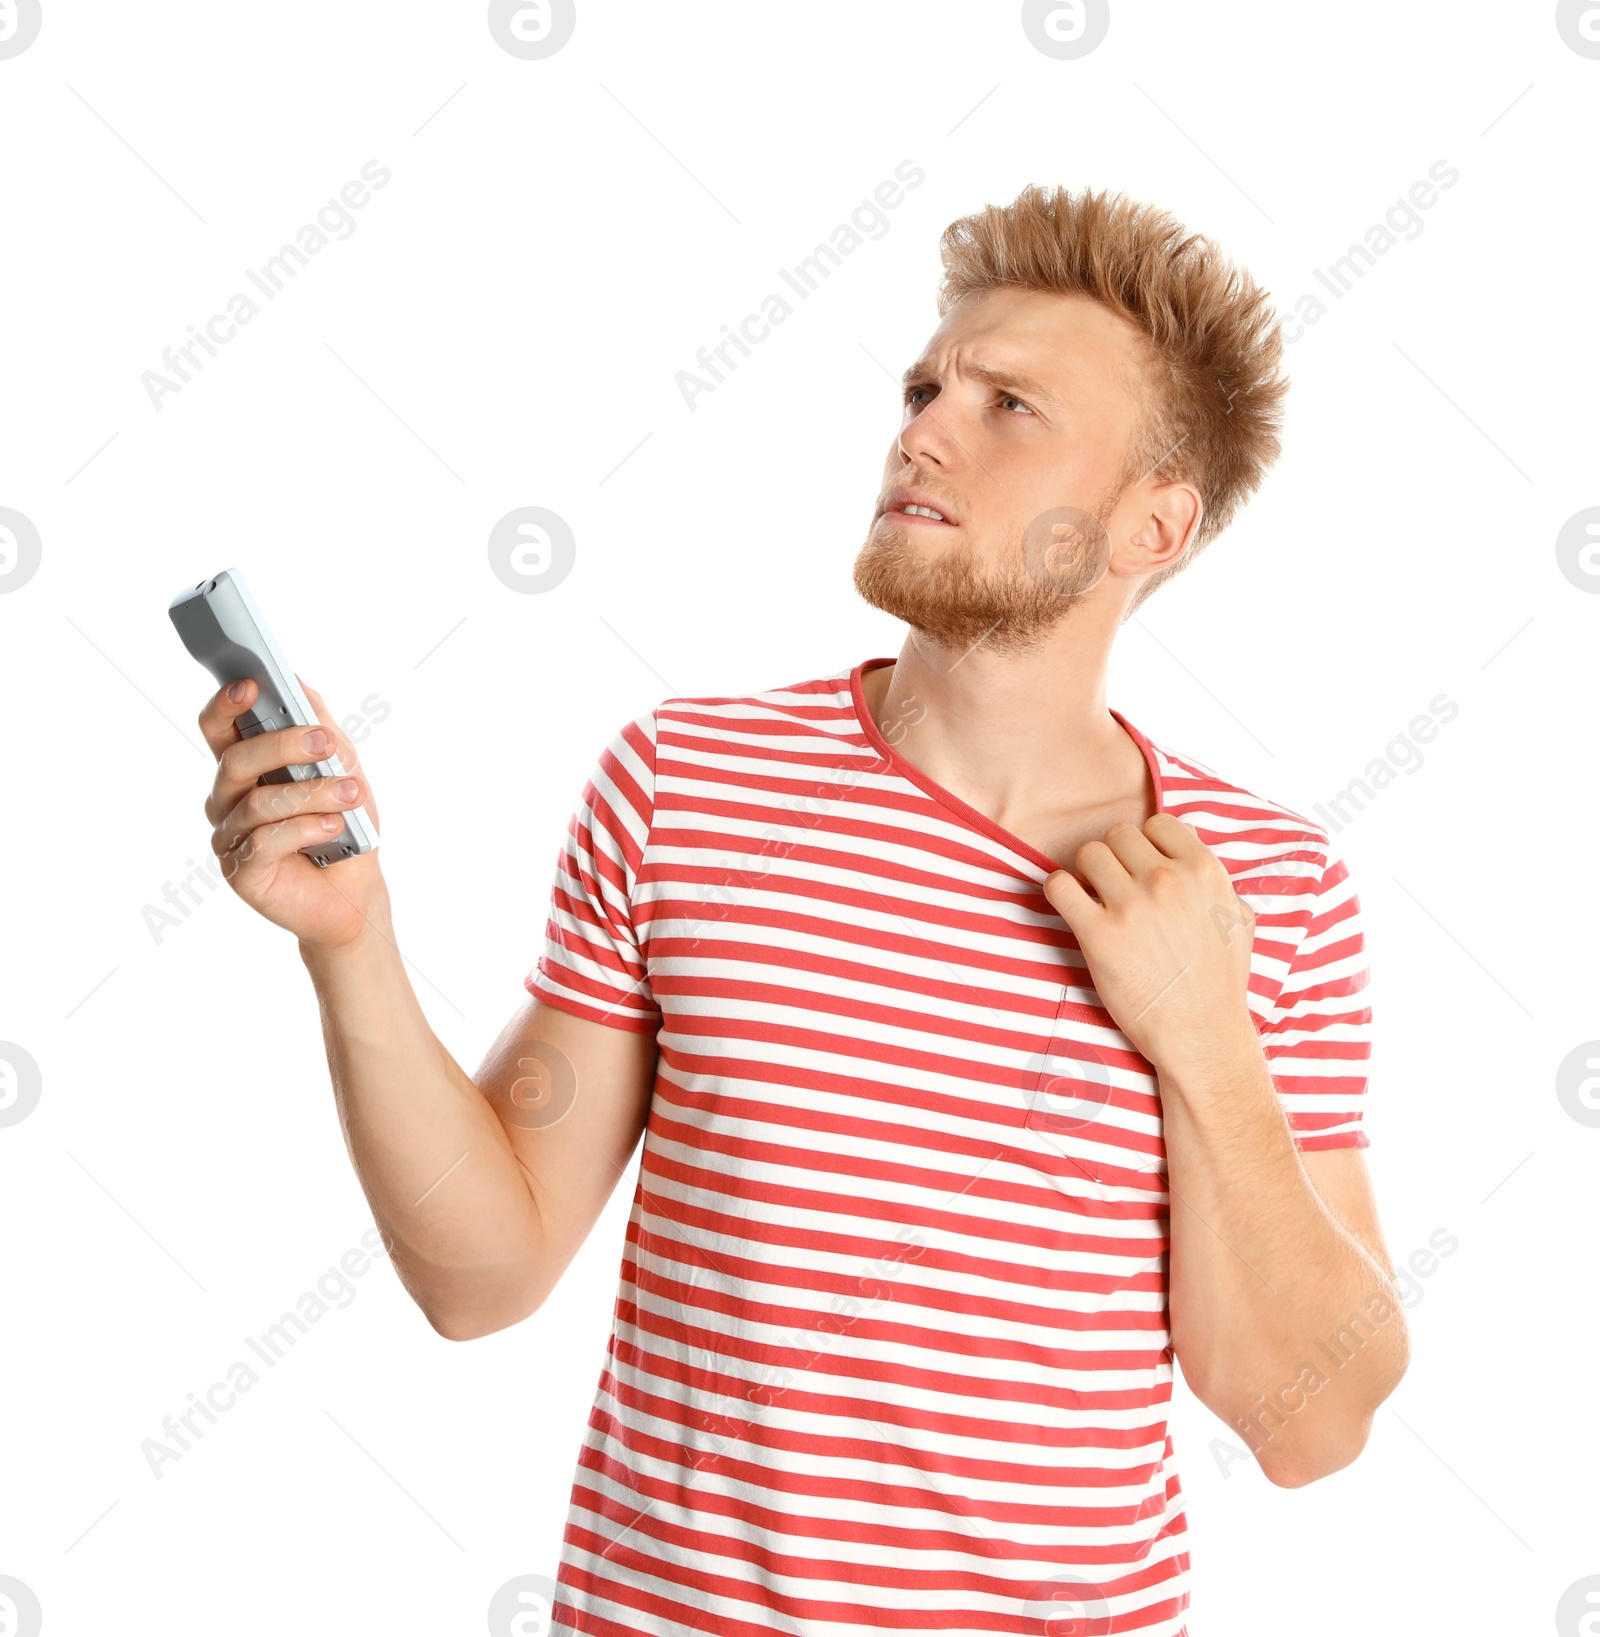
1248, 829
817, 704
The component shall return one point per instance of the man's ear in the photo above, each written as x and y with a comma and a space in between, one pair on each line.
1171, 517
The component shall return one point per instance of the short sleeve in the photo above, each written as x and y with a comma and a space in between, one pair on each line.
593, 963
1318, 1037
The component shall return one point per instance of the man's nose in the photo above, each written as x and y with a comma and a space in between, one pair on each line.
930, 440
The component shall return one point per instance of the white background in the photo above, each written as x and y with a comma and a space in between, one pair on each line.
503, 328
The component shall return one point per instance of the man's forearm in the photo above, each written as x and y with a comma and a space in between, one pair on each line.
433, 1159
1283, 1322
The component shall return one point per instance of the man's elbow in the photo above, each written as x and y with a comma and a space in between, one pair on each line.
457, 1323
1324, 1450
1295, 1468
1297, 1474
456, 1328
452, 1328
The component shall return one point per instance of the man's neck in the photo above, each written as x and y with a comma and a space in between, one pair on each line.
1022, 738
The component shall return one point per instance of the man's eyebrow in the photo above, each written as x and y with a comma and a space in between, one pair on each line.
1007, 380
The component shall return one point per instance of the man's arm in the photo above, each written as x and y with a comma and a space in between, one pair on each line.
1281, 1312
483, 1191
1279, 1304
482, 1196
573, 1098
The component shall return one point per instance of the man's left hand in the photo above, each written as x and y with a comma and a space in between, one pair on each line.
1168, 944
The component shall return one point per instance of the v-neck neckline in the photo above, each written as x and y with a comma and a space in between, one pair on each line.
946, 798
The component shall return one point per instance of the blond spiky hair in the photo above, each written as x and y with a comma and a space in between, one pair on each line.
1213, 404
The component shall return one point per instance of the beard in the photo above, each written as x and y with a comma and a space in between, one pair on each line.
951, 599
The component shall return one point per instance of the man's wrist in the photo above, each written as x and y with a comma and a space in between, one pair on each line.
1212, 1060
373, 946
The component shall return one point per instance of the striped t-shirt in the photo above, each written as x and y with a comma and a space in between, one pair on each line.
890, 1345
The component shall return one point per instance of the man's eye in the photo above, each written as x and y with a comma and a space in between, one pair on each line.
911, 396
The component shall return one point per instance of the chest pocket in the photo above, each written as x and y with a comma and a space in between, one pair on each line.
1095, 1099
1072, 1090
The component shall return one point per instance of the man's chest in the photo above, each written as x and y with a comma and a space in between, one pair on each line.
1060, 835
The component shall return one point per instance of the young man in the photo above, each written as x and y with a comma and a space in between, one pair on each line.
987, 1054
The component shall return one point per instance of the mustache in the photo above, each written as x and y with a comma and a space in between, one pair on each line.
910, 480
1101, 510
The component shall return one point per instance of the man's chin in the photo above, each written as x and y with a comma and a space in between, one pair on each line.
944, 600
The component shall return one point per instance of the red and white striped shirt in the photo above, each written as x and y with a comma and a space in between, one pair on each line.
890, 1347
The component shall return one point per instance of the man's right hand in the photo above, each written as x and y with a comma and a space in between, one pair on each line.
260, 828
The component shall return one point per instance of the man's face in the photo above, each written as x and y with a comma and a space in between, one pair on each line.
1017, 422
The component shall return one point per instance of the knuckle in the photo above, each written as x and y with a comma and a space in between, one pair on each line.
247, 811
225, 834
242, 851
270, 802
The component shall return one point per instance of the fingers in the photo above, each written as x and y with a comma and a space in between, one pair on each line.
260, 851
239, 803
219, 723
1113, 864
1132, 848
343, 749
1070, 898
269, 806
244, 761
1128, 853
1174, 836
218, 719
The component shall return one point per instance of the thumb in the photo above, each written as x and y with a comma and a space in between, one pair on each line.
343, 748
325, 717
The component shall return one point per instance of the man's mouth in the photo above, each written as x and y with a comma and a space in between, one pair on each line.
909, 504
